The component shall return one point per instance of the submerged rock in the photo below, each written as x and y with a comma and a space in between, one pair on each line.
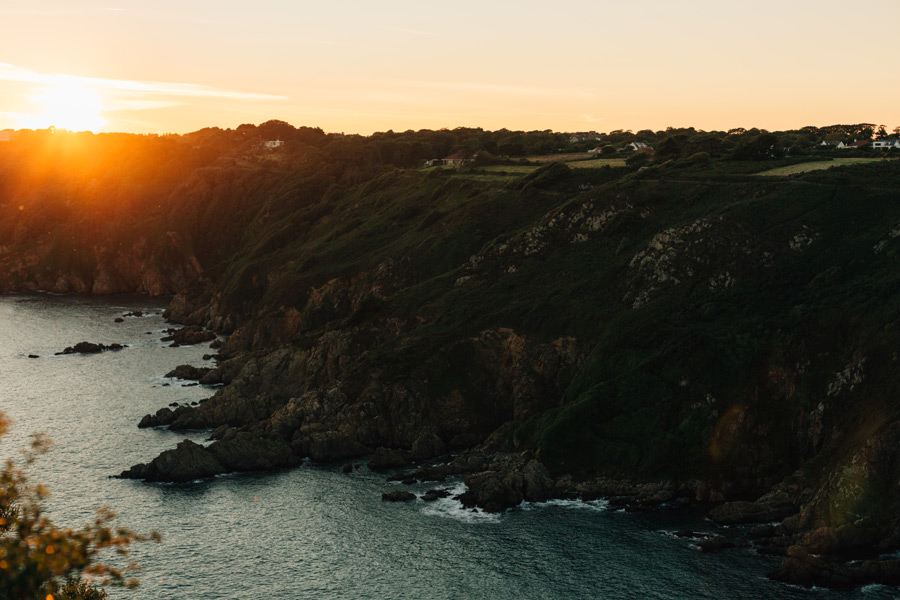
398, 496
432, 495
715, 544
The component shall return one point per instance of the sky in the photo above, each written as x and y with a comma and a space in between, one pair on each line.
362, 66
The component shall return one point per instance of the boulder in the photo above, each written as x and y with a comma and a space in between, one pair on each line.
188, 372
432, 495
737, 513
427, 445
715, 544
331, 446
90, 348
188, 336
388, 458
186, 462
398, 496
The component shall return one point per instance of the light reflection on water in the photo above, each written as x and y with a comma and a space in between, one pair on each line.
311, 532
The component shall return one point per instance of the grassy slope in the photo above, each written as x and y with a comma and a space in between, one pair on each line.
701, 379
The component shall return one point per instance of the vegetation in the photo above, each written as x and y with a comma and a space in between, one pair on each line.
710, 330
39, 560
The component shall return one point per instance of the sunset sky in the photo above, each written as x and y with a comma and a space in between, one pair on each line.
354, 66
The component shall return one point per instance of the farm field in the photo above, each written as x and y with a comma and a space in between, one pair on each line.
815, 166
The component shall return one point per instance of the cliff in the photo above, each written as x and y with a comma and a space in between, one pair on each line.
683, 331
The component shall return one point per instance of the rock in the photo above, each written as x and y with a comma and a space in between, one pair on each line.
347, 468
762, 531
736, 513
208, 356
388, 458
687, 533
398, 496
188, 336
836, 540
493, 491
33, 356
164, 416
90, 348
432, 495
119, 320
330, 446
211, 377
135, 313
537, 485
427, 445
715, 544
186, 462
188, 372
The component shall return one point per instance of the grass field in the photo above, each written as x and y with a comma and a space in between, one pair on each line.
815, 166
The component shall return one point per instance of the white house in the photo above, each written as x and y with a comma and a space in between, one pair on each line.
635, 146
893, 144
851, 145
272, 144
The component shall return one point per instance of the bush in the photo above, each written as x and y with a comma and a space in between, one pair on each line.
39, 560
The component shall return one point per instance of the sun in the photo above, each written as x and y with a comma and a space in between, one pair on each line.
66, 103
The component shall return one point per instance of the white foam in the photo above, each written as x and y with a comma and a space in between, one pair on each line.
599, 505
448, 508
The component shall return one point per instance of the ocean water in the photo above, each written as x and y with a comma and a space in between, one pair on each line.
313, 531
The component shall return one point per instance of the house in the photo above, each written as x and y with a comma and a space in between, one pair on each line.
464, 157
828, 144
887, 144
635, 146
852, 145
272, 144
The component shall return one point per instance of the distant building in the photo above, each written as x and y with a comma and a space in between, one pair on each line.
852, 145
635, 146
464, 157
829, 144
272, 144
585, 136
889, 144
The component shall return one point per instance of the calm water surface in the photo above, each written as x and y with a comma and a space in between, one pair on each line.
312, 532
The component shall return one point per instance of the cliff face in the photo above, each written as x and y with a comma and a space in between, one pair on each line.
694, 334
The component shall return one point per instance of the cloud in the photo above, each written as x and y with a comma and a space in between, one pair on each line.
124, 94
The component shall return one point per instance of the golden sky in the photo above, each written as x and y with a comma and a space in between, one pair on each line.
364, 66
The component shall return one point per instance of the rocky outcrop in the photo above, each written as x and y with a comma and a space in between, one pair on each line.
189, 372
507, 483
188, 336
90, 348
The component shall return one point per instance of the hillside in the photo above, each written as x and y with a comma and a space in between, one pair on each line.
685, 331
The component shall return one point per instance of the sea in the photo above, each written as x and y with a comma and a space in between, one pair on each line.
314, 531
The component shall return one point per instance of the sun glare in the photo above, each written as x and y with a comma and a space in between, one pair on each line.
65, 104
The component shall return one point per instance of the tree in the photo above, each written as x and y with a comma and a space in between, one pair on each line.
881, 133
40, 561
